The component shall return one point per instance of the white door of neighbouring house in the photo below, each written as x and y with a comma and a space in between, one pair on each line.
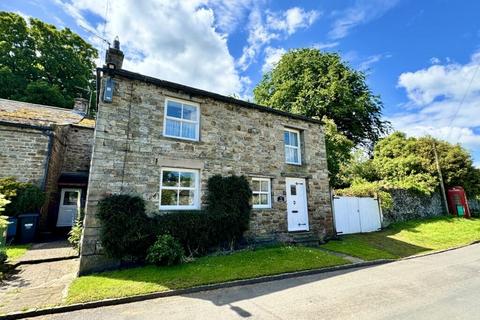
69, 207
297, 213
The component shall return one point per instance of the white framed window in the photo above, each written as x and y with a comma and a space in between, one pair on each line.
292, 146
261, 193
179, 189
181, 119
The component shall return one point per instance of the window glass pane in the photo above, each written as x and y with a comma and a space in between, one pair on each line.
170, 179
172, 128
187, 179
256, 199
286, 137
293, 190
189, 130
70, 198
290, 154
264, 186
169, 197
295, 155
174, 109
293, 139
186, 198
264, 199
189, 112
255, 185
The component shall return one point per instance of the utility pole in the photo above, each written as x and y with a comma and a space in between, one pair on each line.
440, 177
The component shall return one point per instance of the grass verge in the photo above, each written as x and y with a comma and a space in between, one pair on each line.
205, 270
15, 252
409, 238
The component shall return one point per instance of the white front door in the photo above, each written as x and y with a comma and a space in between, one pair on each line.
297, 204
69, 207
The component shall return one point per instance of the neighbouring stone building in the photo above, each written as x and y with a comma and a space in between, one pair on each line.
163, 140
50, 147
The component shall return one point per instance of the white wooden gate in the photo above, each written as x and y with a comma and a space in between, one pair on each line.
355, 215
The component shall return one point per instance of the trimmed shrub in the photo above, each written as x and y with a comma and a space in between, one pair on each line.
223, 223
127, 232
125, 227
166, 251
24, 197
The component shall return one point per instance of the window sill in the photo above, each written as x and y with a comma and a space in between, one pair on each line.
180, 139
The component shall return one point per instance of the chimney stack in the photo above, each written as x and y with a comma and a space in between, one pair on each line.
80, 105
114, 56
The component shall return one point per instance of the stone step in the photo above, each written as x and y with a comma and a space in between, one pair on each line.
304, 238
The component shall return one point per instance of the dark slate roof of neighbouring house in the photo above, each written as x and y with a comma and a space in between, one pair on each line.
203, 93
30, 114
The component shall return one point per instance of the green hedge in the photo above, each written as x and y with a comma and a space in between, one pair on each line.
24, 197
127, 231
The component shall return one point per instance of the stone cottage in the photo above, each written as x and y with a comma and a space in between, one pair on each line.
163, 140
50, 147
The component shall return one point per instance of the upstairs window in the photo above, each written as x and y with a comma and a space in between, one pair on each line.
181, 120
292, 146
261, 193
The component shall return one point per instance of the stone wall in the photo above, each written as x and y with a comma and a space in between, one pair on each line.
474, 206
408, 205
130, 150
57, 153
23, 153
78, 149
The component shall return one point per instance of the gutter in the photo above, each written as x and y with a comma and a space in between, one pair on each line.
200, 92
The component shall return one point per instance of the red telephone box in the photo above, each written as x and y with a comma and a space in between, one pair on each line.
457, 202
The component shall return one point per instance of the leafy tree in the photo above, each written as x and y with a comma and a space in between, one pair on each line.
43, 93
338, 149
36, 56
318, 84
409, 163
359, 168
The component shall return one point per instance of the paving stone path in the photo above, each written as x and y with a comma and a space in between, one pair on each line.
49, 250
34, 285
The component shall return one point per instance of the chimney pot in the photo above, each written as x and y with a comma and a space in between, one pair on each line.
114, 56
80, 105
116, 43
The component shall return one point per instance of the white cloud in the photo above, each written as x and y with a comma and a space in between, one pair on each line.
263, 28
172, 40
434, 60
444, 101
360, 13
272, 56
229, 13
258, 36
371, 60
292, 19
449, 81
325, 45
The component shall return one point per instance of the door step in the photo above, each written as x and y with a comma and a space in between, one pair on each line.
306, 238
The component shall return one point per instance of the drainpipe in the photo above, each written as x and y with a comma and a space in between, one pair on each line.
50, 136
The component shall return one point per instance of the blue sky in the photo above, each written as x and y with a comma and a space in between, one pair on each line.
421, 57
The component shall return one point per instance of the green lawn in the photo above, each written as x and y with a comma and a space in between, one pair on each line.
409, 238
205, 270
14, 252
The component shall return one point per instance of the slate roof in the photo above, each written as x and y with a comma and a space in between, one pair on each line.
25, 113
200, 92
